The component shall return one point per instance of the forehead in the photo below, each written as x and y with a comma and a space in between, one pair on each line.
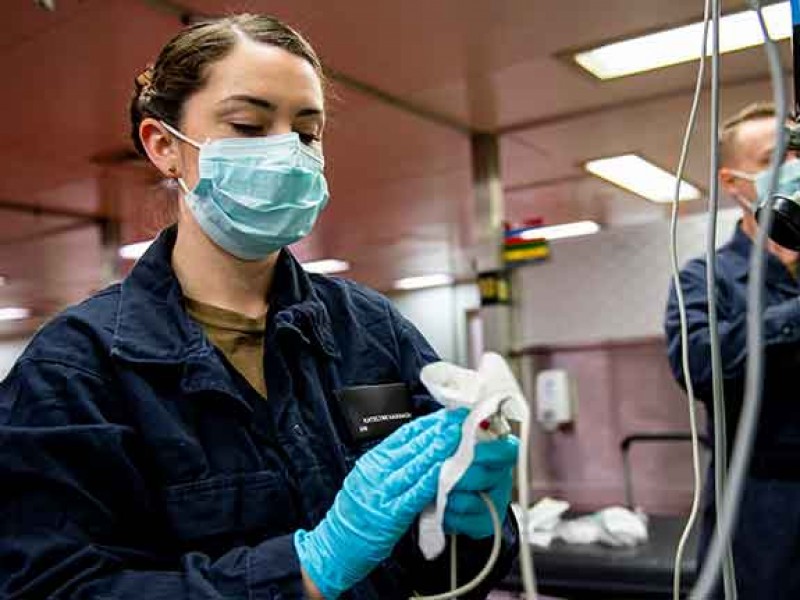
755, 137
266, 71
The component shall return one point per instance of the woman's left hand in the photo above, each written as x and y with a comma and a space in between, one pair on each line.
491, 472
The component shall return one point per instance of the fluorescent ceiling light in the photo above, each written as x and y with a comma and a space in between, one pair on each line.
557, 232
134, 251
681, 44
326, 266
423, 281
14, 314
641, 177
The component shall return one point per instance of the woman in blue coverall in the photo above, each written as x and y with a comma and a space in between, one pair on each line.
143, 456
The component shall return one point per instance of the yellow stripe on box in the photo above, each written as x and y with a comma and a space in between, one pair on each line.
527, 254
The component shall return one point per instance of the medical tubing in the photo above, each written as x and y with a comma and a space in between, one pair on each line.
523, 485
453, 562
673, 246
487, 569
718, 394
745, 434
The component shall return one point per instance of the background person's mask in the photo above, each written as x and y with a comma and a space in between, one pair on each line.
785, 228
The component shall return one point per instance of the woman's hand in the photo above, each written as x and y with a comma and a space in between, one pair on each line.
389, 486
491, 472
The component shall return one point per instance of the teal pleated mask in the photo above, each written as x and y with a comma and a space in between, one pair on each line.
256, 195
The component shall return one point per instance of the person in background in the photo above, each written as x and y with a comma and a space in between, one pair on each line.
766, 544
188, 433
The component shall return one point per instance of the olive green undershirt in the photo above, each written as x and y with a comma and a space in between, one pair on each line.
239, 337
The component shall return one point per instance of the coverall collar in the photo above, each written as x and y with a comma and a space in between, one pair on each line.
152, 325
741, 246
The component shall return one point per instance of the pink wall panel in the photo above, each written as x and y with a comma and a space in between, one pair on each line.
622, 389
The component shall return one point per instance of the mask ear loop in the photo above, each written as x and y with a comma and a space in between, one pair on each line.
184, 188
752, 206
755, 205
742, 175
182, 184
179, 135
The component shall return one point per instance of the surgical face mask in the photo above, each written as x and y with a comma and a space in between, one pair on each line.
788, 180
785, 228
256, 195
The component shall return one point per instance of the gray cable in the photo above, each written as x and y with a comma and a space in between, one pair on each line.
525, 553
673, 253
720, 433
497, 543
453, 562
748, 421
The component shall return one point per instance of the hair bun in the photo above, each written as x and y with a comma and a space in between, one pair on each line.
144, 81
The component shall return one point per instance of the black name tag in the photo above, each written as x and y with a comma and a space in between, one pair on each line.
375, 411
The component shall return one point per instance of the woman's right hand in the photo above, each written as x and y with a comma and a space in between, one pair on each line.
383, 494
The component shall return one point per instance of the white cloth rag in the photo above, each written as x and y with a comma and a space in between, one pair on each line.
485, 392
615, 526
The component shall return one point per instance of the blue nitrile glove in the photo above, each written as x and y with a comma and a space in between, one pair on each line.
490, 472
383, 494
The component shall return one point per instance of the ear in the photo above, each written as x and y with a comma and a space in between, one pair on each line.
732, 187
726, 178
161, 147
729, 182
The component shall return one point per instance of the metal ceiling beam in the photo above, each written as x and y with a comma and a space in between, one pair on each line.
37, 236
397, 102
49, 211
187, 15
558, 118
532, 185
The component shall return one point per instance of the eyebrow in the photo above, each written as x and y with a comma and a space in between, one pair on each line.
267, 105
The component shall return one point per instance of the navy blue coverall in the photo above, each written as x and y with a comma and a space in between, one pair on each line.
136, 463
766, 546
